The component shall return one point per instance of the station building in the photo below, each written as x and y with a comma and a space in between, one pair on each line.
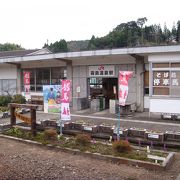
154, 87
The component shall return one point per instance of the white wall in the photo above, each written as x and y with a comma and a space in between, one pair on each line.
8, 71
164, 57
164, 105
123, 59
47, 63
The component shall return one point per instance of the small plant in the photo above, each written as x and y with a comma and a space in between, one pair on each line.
18, 98
15, 132
83, 140
121, 146
4, 100
50, 134
4, 108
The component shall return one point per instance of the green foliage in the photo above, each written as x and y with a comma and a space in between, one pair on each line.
15, 132
121, 146
10, 47
18, 98
58, 46
83, 139
50, 134
4, 108
4, 100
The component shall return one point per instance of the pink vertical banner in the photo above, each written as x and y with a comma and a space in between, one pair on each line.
123, 86
26, 82
65, 99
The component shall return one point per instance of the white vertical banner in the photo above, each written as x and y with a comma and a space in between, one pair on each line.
123, 86
65, 98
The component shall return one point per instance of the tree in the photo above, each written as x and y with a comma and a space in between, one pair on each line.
58, 46
173, 33
10, 47
178, 32
141, 22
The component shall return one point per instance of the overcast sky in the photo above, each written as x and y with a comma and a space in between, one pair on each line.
31, 22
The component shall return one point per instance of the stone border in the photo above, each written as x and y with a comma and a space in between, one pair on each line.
118, 160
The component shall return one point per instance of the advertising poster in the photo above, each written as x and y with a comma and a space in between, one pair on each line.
26, 82
52, 98
123, 86
65, 98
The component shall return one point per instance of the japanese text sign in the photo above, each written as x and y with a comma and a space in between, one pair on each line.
65, 98
65, 91
26, 78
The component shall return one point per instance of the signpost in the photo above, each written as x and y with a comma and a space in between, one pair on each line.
65, 99
30, 120
123, 93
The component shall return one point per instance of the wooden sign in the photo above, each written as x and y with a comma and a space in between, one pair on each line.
23, 118
30, 120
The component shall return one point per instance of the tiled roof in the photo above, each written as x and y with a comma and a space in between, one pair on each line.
17, 53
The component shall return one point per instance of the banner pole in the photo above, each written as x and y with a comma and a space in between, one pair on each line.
118, 127
60, 123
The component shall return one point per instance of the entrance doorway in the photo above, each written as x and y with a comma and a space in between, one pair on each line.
106, 88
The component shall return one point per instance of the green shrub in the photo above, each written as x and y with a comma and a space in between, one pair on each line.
83, 139
18, 98
15, 132
121, 146
4, 100
4, 108
50, 134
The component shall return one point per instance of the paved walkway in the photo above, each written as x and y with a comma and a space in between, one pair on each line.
138, 120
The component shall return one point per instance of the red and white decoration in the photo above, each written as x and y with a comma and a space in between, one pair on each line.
123, 86
65, 98
26, 82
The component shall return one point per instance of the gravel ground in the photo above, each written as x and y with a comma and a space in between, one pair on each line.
25, 161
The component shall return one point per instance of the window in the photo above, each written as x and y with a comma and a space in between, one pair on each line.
166, 79
8, 86
57, 74
45, 76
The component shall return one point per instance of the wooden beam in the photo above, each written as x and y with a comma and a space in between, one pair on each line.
16, 64
28, 106
64, 60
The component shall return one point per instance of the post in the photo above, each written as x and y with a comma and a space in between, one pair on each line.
118, 127
33, 123
13, 117
60, 123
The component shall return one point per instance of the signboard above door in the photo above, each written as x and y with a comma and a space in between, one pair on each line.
102, 71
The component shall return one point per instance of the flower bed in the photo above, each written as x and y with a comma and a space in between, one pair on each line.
50, 137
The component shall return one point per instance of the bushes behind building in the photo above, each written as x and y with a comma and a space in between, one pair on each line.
18, 98
6, 99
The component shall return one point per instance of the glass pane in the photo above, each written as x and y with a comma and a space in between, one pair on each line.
12, 86
43, 76
57, 74
146, 79
160, 91
160, 65
161, 78
5, 86
175, 64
